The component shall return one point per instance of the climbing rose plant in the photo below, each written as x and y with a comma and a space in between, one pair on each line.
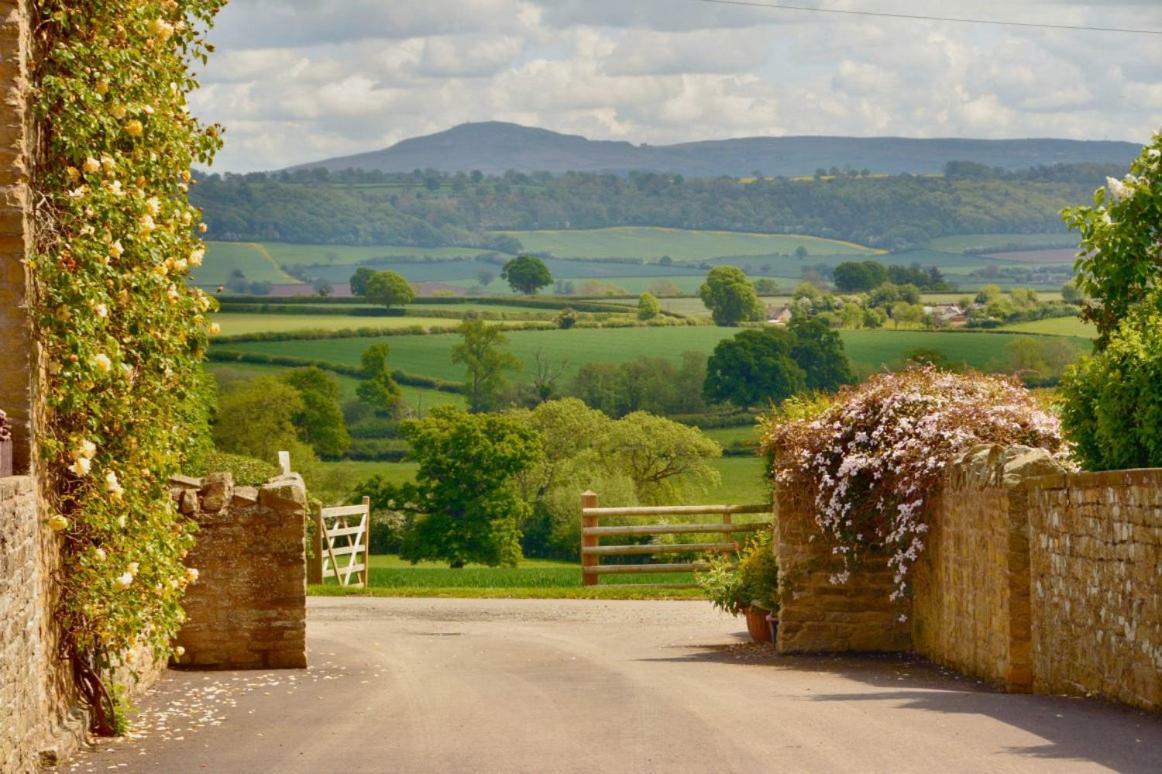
121, 334
871, 460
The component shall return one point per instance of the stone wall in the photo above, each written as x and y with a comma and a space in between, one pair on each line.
15, 231
38, 721
1096, 565
970, 606
814, 613
1031, 579
248, 607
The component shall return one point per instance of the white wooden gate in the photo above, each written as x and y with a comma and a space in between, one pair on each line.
345, 543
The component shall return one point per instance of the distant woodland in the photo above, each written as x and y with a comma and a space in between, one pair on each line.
431, 209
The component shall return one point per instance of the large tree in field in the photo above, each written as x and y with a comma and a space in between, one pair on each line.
320, 422
257, 418
378, 388
389, 289
480, 352
360, 279
859, 276
729, 296
466, 487
753, 368
818, 350
526, 274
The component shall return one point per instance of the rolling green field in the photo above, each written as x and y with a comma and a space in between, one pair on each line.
962, 242
682, 245
300, 255
234, 324
1056, 326
869, 350
253, 259
417, 398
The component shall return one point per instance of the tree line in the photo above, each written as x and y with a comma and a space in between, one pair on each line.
897, 212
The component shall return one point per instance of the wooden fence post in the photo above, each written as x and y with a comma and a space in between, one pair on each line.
588, 500
315, 561
367, 547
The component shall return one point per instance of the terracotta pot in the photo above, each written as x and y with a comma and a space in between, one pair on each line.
757, 625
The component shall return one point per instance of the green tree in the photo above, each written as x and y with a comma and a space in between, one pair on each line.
818, 350
466, 487
378, 388
360, 279
765, 286
648, 307
320, 423
526, 274
1119, 262
859, 276
729, 296
390, 289
754, 367
485, 277
666, 460
257, 418
480, 352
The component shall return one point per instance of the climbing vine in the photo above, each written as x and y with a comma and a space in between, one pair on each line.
121, 334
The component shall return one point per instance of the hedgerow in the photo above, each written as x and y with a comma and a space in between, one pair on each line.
122, 336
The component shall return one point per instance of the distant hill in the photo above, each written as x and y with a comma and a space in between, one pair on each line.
494, 147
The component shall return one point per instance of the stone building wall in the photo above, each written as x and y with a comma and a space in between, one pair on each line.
15, 230
1096, 566
970, 605
38, 719
248, 607
817, 615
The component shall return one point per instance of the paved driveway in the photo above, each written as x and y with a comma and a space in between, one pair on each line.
434, 685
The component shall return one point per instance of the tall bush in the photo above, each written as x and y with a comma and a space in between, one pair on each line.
1112, 401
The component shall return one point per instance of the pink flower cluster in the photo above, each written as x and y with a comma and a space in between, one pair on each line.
871, 459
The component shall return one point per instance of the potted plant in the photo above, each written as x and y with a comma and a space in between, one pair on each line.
747, 584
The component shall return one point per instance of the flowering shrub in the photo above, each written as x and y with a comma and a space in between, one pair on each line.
871, 459
1119, 263
122, 336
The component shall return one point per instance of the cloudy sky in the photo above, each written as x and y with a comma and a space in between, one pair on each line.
300, 80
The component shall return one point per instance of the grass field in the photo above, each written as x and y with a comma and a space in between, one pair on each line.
869, 350
253, 259
1056, 326
419, 399
680, 244
298, 255
960, 243
240, 323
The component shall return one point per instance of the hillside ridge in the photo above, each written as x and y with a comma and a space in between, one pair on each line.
494, 147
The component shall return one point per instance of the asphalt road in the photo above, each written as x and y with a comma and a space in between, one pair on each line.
442, 685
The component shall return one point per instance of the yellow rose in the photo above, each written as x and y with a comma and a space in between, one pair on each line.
215, 329
134, 128
92, 165
73, 173
103, 363
58, 523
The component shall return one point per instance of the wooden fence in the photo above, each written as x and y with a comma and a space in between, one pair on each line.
342, 531
592, 532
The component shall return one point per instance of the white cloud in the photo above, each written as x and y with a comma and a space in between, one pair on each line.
296, 80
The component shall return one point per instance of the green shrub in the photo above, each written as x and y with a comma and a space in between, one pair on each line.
1112, 401
752, 578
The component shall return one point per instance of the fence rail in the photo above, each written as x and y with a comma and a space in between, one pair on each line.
591, 534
